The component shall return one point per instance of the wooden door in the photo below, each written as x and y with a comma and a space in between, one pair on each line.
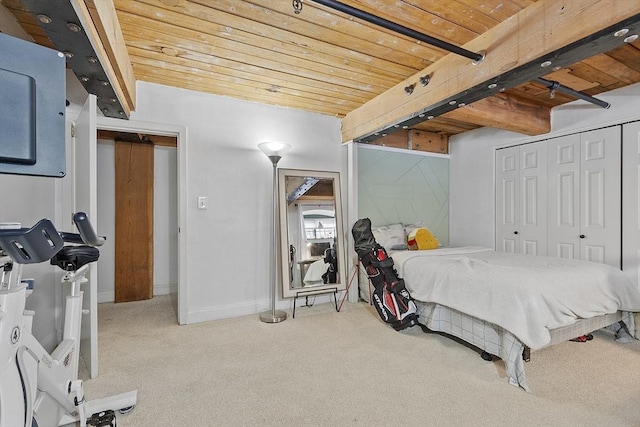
134, 221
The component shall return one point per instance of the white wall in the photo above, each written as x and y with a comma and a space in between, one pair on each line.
165, 220
471, 212
228, 244
105, 225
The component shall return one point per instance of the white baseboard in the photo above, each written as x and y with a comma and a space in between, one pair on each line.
223, 312
245, 309
206, 314
171, 288
106, 297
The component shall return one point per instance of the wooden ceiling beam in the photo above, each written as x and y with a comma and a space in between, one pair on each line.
100, 23
508, 113
559, 31
417, 140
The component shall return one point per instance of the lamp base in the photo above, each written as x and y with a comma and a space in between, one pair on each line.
276, 316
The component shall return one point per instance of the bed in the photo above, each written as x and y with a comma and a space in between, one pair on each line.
508, 304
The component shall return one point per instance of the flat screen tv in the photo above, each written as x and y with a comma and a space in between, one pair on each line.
32, 109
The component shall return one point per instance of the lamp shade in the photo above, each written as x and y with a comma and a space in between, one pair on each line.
274, 148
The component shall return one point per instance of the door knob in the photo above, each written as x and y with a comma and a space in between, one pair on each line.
582, 236
515, 232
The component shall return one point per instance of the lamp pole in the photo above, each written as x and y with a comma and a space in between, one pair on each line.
274, 152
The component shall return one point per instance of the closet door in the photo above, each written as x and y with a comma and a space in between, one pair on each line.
521, 176
564, 197
600, 228
631, 202
533, 199
584, 196
507, 195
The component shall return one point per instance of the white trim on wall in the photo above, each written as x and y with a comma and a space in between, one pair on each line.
180, 132
352, 217
401, 150
631, 203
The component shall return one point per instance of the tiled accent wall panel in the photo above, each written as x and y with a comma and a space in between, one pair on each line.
395, 187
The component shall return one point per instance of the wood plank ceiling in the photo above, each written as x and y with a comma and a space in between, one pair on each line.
325, 61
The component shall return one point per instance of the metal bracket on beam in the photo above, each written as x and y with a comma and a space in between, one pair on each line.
599, 42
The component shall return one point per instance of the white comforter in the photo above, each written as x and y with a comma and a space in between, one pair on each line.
526, 295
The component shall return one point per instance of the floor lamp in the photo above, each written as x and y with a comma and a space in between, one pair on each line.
274, 151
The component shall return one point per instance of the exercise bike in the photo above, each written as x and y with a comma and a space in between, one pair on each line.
38, 389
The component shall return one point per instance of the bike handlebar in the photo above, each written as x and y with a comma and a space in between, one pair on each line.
87, 233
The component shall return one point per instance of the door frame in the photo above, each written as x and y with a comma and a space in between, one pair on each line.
180, 132
84, 198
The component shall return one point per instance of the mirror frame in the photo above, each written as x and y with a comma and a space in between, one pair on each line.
287, 290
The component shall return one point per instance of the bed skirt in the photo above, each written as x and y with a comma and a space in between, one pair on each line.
486, 336
499, 342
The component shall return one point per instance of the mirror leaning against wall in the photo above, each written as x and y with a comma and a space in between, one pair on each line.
311, 235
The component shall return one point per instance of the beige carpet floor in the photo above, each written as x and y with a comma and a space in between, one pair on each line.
346, 369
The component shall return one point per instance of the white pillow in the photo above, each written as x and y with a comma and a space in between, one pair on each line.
410, 228
391, 237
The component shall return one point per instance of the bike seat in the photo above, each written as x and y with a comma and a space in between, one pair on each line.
71, 258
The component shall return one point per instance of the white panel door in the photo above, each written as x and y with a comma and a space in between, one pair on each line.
600, 228
521, 177
86, 200
564, 197
507, 203
533, 201
631, 201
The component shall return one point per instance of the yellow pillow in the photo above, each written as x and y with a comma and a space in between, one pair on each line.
421, 239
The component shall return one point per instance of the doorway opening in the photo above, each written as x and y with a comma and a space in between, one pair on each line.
167, 143
139, 208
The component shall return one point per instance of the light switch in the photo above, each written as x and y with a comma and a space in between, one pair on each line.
202, 202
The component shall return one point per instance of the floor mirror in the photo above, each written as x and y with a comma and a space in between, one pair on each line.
311, 234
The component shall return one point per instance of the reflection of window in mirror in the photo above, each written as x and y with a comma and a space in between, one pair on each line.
319, 227
319, 222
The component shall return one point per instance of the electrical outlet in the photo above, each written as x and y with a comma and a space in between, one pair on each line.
202, 202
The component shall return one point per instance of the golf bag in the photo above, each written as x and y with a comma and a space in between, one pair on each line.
390, 297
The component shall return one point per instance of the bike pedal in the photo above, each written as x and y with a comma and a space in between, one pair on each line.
103, 419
